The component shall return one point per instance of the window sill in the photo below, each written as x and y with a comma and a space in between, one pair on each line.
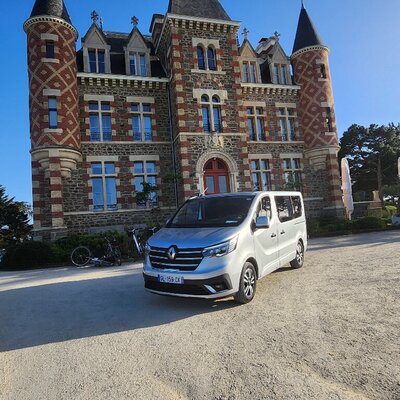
50, 60
49, 130
330, 133
207, 71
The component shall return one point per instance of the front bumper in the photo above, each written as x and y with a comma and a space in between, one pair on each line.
212, 288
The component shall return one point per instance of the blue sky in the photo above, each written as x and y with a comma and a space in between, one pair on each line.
363, 36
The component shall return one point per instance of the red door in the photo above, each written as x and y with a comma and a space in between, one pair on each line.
216, 177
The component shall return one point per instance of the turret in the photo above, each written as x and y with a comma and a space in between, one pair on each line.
53, 107
316, 107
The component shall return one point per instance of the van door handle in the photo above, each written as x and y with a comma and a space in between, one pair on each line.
283, 232
273, 235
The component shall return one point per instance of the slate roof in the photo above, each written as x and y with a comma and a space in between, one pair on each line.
307, 35
198, 8
54, 8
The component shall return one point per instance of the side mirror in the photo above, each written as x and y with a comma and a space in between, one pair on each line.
262, 223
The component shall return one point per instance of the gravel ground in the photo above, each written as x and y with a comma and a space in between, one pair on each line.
327, 331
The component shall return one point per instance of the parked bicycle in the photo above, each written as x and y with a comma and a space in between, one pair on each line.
82, 255
140, 237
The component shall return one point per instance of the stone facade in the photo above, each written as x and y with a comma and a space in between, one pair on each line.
187, 66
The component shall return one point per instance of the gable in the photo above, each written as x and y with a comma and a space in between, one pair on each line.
247, 51
136, 42
278, 54
94, 37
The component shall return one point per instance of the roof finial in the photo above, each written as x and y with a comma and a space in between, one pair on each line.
302, 4
277, 35
94, 16
245, 33
134, 22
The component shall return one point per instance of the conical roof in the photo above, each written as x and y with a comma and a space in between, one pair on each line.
198, 8
307, 35
54, 8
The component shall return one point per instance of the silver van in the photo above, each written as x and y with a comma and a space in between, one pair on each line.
218, 246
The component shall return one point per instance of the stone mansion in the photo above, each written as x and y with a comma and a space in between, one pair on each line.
130, 125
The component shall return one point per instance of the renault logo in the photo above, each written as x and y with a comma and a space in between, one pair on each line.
172, 253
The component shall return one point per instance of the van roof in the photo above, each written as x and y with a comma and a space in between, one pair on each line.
254, 194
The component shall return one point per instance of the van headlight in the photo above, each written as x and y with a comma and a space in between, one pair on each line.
222, 249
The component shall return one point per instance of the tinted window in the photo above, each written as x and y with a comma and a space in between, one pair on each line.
284, 208
297, 208
264, 208
205, 212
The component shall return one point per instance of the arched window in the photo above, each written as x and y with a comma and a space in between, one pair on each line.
200, 58
205, 111
212, 64
211, 114
216, 106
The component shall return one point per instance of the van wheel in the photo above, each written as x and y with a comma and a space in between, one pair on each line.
298, 262
247, 285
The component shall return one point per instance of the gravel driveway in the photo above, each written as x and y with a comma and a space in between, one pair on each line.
327, 331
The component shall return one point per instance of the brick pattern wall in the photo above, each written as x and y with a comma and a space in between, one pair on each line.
314, 91
59, 75
315, 95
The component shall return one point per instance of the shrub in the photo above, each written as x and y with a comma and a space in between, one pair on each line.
27, 255
392, 210
367, 223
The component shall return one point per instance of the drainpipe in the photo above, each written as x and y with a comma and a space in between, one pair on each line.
173, 147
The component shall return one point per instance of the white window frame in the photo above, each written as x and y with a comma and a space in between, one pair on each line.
260, 172
294, 170
286, 117
211, 105
280, 74
100, 114
145, 174
255, 117
141, 113
103, 176
138, 65
246, 67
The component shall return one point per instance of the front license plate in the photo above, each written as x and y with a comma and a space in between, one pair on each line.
177, 280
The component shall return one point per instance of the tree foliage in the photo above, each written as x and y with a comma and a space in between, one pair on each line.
372, 153
14, 220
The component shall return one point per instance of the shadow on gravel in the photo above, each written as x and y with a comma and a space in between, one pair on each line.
65, 311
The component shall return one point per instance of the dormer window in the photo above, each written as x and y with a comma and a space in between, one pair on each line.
97, 61
50, 52
249, 72
280, 74
137, 64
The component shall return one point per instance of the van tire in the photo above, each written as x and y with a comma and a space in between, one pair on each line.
247, 284
298, 262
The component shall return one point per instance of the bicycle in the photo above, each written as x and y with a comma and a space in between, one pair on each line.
82, 255
140, 237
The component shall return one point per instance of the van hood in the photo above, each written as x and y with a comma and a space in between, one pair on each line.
192, 238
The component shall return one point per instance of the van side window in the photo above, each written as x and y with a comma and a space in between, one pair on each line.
284, 207
297, 209
265, 209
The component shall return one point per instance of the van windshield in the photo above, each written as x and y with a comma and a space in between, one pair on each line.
207, 212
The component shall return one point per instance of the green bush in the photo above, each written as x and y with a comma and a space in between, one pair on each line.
27, 255
392, 210
367, 223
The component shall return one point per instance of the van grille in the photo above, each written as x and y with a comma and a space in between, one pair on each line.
185, 259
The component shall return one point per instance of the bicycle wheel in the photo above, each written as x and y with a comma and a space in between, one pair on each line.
81, 256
